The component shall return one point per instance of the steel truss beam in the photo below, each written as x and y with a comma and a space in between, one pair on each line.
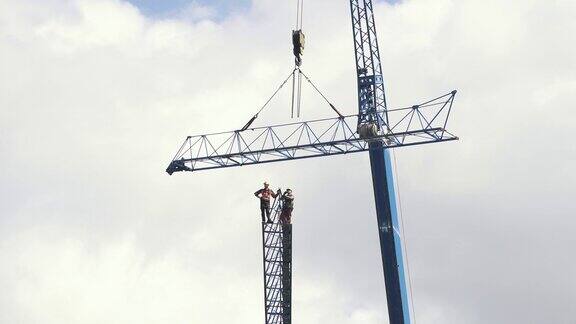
419, 124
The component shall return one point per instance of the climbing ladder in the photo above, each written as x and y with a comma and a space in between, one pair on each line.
277, 252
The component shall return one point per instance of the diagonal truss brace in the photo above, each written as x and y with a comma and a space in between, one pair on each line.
419, 124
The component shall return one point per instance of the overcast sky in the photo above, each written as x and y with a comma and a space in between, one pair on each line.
97, 95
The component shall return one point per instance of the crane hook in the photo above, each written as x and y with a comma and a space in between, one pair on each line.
298, 40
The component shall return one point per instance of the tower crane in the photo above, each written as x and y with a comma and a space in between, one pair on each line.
375, 129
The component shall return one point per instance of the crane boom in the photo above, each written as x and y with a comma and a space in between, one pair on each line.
419, 124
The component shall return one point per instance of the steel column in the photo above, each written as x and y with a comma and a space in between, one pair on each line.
390, 234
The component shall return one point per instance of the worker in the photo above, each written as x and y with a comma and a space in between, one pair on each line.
287, 207
264, 195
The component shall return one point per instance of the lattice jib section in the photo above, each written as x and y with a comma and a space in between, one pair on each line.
419, 124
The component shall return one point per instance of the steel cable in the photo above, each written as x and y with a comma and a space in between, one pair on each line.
397, 184
320, 93
267, 102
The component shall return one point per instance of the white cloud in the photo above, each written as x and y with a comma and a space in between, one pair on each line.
92, 24
54, 279
197, 11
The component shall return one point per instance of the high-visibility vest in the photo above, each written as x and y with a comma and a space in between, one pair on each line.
265, 194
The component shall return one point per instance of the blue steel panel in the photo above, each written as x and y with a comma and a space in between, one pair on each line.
389, 232
398, 242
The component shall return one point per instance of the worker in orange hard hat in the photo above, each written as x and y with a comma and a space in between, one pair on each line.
287, 207
264, 195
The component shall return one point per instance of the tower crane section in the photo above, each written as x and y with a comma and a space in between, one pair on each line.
277, 262
376, 128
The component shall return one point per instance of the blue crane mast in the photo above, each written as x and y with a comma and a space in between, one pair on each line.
376, 128
373, 119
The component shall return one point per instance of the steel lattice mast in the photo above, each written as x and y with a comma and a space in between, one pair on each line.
376, 128
277, 262
371, 97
